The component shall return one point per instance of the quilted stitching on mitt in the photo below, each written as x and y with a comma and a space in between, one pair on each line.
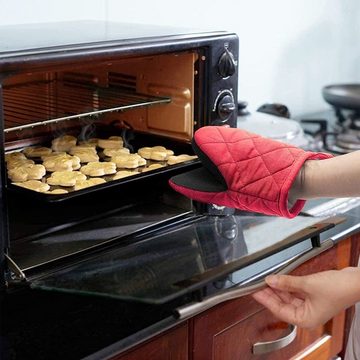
249, 164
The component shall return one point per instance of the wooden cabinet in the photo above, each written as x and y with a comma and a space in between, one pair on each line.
173, 345
354, 258
236, 339
230, 330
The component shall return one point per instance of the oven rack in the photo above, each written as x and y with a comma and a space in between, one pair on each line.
44, 103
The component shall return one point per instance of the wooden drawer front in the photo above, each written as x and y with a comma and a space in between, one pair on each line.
173, 345
236, 342
229, 330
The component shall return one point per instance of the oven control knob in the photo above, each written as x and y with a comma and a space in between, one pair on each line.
226, 64
225, 105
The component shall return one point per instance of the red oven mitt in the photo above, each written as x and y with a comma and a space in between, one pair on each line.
244, 171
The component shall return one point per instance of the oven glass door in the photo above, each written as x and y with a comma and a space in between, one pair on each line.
183, 260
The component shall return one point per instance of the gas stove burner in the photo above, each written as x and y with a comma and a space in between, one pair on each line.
338, 140
346, 133
345, 99
349, 140
342, 142
354, 121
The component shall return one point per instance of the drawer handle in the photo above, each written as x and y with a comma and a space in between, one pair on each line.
235, 292
268, 346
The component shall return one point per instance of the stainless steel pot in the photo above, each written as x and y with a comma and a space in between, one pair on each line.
274, 127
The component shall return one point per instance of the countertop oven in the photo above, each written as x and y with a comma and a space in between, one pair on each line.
145, 85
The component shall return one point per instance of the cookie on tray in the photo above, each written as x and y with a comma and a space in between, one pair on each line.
115, 152
85, 153
128, 161
54, 154
63, 143
124, 173
12, 164
159, 153
17, 155
95, 169
36, 151
92, 142
113, 142
34, 185
83, 184
61, 162
65, 178
30, 172
177, 159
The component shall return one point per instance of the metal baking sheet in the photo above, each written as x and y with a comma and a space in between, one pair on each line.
139, 140
167, 171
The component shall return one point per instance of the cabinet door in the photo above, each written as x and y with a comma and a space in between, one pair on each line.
230, 330
173, 345
238, 341
354, 259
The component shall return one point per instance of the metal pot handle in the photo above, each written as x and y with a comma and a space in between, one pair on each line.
247, 288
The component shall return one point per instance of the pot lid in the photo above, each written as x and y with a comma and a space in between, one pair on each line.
270, 126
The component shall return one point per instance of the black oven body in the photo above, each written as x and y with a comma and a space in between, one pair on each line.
216, 80
133, 211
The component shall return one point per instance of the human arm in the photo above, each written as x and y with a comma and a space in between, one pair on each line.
335, 177
311, 300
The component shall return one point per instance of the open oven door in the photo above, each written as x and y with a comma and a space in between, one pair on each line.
187, 259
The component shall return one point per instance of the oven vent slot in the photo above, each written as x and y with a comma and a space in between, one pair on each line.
122, 81
43, 103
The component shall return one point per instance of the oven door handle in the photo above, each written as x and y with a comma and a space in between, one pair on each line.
247, 288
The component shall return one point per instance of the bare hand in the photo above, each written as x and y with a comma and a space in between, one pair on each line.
311, 300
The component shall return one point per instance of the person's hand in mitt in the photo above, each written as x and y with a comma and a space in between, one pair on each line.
245, 171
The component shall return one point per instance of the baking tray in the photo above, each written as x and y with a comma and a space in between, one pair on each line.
161, 173
141, 179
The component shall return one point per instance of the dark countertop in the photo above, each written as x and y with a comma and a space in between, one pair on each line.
347, 207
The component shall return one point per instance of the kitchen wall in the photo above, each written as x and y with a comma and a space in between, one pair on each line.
288, 49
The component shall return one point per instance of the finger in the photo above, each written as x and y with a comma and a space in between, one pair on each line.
285, 312
280, 296
299, 295
289, 298
262, 296
287, 283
